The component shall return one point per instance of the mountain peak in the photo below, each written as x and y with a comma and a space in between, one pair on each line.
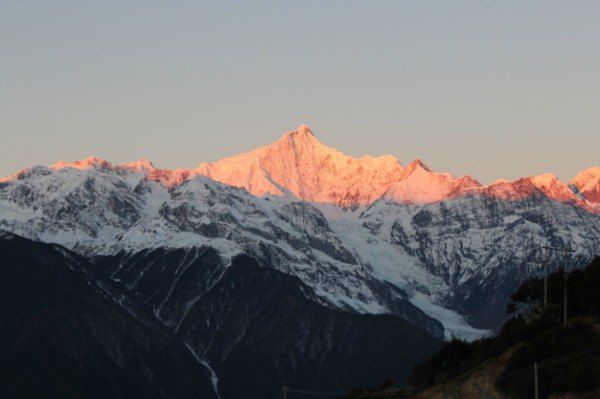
298, 164
304, 129
417, 164
302, 134
586, 175
87, 163
552, 187
421, 185
141, 165
587, 184
544, 180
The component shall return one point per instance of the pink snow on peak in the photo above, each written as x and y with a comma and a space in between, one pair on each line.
420, 185
303, 130
9, 178
142, 165
171, 178
300, 165
417, 164
82, 164
549, 184
509, 190
587, 183
546, 184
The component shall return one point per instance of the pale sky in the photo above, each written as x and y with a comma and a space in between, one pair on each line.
490, 89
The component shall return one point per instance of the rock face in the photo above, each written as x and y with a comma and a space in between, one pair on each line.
587, 184
299, 223
103, 211
482, 248
291, 338
259, 328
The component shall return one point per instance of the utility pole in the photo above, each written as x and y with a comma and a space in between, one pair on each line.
284, 389
535, 378
480, 389
565, 291
566, 251
545, 263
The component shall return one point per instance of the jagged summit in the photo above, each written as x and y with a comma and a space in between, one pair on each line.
421, 185
587, 184
298, 165
302, 134
89, 162
549, 184
416, 164
141, 165
303, 130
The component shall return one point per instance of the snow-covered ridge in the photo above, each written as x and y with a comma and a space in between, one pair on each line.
367, 234
97, 208
587, 184
420, 185
299, 166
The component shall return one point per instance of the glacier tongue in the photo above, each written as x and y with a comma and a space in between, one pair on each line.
455, 325
391, 263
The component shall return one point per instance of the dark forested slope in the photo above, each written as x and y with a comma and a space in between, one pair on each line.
62, 337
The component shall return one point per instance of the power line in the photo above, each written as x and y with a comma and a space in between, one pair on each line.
570, 356
348, 394
553, 361
567, 251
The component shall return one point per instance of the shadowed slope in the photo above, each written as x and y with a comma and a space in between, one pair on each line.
61, 337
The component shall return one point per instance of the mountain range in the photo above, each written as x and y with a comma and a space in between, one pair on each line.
294, 261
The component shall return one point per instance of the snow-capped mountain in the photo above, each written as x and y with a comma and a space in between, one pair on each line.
587, 184
420, 185
300, 165
367, 234
347, 238
95, 209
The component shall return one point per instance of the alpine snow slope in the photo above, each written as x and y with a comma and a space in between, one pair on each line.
364, 236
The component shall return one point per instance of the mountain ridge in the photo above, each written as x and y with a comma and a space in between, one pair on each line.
426, 240
433, 252
298, 165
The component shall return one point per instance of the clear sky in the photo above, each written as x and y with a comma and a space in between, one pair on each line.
491, 89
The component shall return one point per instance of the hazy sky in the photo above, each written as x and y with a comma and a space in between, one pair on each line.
491, 89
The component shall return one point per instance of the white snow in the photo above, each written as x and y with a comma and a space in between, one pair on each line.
361, 200
213, 376
454, 324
